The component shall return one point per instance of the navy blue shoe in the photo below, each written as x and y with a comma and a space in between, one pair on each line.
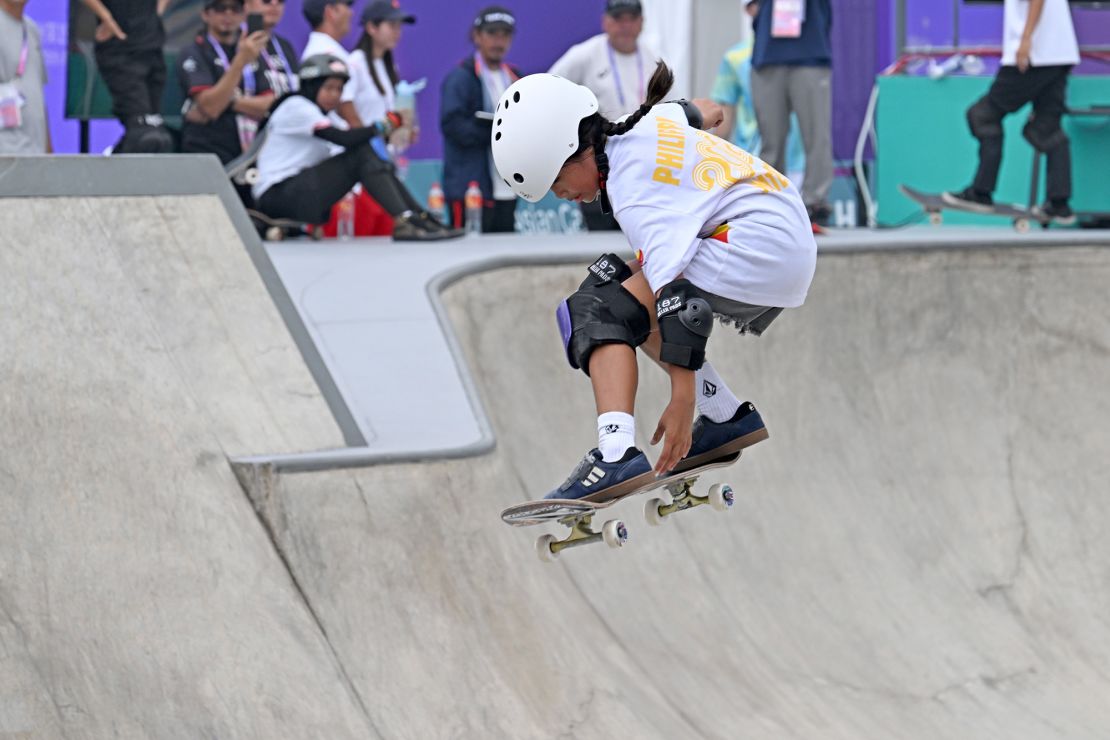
600, 481
713, 440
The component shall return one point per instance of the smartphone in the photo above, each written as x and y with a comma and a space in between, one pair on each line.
254, 23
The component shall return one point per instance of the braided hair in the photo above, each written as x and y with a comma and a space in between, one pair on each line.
595, 129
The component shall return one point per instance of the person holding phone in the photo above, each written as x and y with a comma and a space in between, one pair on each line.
280, 61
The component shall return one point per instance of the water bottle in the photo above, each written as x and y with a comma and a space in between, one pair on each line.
473, 202
436, 201
345, 217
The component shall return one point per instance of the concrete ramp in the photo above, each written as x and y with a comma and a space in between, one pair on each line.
918, 551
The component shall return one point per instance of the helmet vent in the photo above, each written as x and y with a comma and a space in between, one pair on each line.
518, 177
516, 96
497, 136
498, 121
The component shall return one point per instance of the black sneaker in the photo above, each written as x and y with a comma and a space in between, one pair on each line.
1057, 212
434, 224
410, 227
969, 199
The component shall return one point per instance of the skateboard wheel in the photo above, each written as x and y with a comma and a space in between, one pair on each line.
274, 234
252, 176
936, 219
316, 233
614, 533
721, 497
1021, 225
651, 512
543, 548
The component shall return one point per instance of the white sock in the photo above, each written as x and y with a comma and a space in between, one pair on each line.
715, 400
616, 432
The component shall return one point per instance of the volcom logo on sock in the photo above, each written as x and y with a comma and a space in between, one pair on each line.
708, 389
611, 428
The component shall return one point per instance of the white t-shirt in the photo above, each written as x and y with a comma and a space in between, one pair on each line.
1053, 42
618, 80
290, 146
370, 104
321, 43
496, 81
672, 186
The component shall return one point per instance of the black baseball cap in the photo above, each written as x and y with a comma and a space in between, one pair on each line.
385, 10
616, 7
495, 18
209, 4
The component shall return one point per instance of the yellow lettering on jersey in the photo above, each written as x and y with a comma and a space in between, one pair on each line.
723, 164
670, 151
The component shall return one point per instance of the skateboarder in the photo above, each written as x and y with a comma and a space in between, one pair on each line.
1038, 50
718, 233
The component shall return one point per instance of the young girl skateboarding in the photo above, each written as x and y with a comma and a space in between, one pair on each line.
718, 233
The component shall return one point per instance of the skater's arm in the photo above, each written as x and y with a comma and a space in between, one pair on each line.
1026, 45
108, 26
676, 424
347, 138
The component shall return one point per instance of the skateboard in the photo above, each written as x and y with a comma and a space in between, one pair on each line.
577, 514
934, 204
276, 229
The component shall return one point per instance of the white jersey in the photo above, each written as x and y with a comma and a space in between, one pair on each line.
321, 43
370, 104
618, 80
1053, 41
694, 205
290, 147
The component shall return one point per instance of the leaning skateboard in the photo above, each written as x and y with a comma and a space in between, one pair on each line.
277, 229
578, 514
934, 204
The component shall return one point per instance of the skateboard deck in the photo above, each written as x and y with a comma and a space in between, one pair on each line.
934, 204
276, 229
577, 514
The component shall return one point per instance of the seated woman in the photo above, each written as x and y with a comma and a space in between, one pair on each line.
306, 165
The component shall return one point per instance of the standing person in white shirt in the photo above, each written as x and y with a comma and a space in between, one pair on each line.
331, 22
615, 66
1039, 49
719, 233
373, 72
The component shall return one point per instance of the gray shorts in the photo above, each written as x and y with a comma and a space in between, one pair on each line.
747, 318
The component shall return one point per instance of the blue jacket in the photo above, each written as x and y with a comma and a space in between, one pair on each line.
466, 150
812, 49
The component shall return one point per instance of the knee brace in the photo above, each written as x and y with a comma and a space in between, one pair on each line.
145, 139
1044, 134
685, 322
601, 311
984, 120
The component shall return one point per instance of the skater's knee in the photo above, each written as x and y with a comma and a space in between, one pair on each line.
602, 311
1044, 133
685, 323
984, 120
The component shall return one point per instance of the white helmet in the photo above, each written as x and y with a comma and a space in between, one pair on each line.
535, 131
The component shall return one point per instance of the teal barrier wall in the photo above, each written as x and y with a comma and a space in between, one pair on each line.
924, 142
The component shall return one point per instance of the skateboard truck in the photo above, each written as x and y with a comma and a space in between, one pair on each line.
720, 497
613, 533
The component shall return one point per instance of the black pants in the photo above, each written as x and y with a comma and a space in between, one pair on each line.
498, 216
1046, 88
136, 79
596, 220
309, 195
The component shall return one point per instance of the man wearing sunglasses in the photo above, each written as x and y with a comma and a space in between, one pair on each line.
279, 59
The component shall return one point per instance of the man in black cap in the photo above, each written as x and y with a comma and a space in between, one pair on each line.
471, 88
331, 22
616, 66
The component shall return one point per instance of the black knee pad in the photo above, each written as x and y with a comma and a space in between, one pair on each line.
145, 140
685, 323
984, 120
1044, 134
601, 311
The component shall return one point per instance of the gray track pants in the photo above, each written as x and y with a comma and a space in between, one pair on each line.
778, 90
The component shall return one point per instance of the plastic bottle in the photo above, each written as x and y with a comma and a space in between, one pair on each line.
345, 217
436, 201
473, 202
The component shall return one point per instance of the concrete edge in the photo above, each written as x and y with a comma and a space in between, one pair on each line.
137, 175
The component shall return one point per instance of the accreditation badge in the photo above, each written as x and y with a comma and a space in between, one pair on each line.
11, 106
787, 17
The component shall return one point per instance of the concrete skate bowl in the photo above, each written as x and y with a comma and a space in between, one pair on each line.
917, 552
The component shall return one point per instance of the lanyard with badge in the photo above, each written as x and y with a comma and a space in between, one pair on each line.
285, 71
617, 78
11, 99
248, 127
486, 74
787, 17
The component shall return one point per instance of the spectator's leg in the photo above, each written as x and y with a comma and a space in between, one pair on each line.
1044, 132
155, 78
772, 113
126, 73
309, 195
499, 216
810, 97
1007, 93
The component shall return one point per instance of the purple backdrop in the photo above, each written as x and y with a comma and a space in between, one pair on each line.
863, 44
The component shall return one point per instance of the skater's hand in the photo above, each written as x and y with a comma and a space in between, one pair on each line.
675, 427
250, 47
109, 29
1022, 56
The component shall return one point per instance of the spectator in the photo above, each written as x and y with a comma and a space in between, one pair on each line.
279, 57
733, 90
227, 94
792, 73
1039, 49
301, 178
331, 22
615, 66
470, 89
373, 72
129, 57
23, 122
